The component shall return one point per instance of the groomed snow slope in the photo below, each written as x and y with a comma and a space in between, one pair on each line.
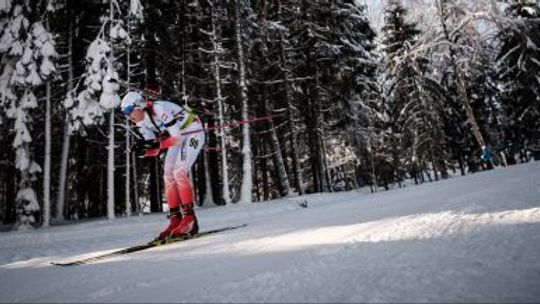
467, 239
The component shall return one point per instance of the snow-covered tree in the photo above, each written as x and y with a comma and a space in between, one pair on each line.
333, 58
265, 73
352, 76
398, 37
134, 17
28, 55
101, 84
460, 38
217, 51
518, 66
453, 45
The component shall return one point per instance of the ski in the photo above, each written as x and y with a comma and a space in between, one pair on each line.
145, 246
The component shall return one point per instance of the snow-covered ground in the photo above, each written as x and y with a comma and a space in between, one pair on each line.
467, 239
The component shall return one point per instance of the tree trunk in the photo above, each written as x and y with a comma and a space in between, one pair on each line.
110, 169
217, 48
137, 207
283, 179
372, 164
208, 195
318, 140
214, 170
257, 168
395, 155
127, 178
324, 162
110, 148
461, 164
47, 162
297, 169
264, 169
313, 146
61, 203
128, 167
247, 178
150, 81
460, 82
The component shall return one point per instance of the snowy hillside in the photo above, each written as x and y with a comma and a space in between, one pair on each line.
468, 239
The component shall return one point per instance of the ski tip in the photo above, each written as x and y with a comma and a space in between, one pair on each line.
62, 264
228, 228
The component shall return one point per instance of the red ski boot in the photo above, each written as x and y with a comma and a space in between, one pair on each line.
189, 225
175, 219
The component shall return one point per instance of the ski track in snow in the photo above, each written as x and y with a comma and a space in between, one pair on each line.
467, 239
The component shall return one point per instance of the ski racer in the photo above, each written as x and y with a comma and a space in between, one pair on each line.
162, 124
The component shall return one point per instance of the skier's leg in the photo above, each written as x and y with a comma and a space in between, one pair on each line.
190, 149
189, 224
171, 192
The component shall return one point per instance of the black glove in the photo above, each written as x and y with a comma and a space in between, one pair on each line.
151, 144
163, 135
140, 147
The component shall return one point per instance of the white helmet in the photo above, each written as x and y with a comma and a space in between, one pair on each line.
131, 101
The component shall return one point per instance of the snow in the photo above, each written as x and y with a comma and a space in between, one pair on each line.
27, 194
136, 9
529, 10
5, 6
117, 32
109, 98
16, 48
467, 239
27, 56
27, 200
33, 77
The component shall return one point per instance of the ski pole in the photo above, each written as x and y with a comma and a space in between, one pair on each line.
233, 124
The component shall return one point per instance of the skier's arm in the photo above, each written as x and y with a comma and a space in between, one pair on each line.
147, 133
172, 121
147, 143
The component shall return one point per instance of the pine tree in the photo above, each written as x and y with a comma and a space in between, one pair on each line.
335, 54
264, 55
518, 66
286, 62
46, 46
101, 87
449, 39
398, 37
28, 54
354, 79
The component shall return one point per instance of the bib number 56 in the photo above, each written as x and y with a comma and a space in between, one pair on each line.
194, 142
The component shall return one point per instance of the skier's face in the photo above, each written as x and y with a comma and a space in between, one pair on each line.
136, 115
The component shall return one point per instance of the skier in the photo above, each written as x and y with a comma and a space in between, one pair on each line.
162, 124
487, 156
